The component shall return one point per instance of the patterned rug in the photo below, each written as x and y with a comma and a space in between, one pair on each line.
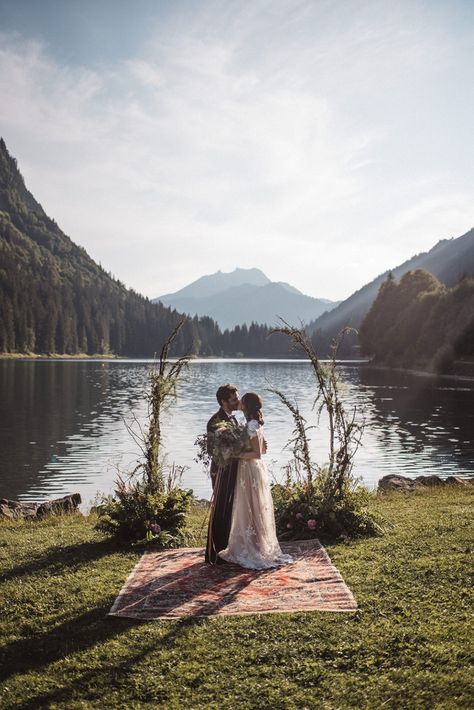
169, 584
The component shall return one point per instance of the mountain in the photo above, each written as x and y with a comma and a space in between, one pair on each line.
245, 296
448, 261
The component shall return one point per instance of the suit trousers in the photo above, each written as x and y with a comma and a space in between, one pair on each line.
220, 517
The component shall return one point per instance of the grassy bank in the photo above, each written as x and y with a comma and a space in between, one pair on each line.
409, 646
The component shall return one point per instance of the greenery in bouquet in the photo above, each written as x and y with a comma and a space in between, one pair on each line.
227, 441
203, 455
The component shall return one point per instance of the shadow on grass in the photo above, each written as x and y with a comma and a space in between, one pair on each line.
73, 637
89, 631
81, 633
60, 559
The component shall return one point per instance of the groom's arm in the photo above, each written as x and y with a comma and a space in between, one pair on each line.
210, 429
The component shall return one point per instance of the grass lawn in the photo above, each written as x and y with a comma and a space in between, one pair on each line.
410, 645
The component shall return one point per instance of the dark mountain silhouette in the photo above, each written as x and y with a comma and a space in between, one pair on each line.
449, 260
420, 323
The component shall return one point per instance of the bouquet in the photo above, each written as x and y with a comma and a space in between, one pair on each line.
228, 440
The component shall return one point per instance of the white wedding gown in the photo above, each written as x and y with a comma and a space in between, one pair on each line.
252, 540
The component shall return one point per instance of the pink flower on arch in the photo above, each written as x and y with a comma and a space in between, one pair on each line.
311, 524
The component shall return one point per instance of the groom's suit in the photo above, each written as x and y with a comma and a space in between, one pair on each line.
223, 485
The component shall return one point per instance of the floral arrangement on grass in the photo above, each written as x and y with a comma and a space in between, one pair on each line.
142, 517
301, 512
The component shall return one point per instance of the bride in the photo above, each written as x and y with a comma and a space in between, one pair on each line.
252, 540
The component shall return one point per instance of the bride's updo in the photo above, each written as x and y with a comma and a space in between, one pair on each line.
252, 407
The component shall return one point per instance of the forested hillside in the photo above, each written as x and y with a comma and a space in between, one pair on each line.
55, 299
448, 260
419, 322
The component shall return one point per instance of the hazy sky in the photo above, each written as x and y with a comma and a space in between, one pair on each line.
322, 142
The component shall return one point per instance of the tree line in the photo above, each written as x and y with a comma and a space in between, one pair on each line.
419, 322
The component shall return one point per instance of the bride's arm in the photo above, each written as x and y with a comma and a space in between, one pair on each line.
256, 453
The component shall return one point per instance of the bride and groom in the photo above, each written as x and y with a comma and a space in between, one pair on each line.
242, 521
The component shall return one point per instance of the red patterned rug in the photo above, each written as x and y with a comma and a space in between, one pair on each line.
168, 584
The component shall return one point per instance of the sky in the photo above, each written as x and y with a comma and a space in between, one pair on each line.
322, 141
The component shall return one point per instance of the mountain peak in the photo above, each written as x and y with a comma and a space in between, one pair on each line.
212, 284
254, 270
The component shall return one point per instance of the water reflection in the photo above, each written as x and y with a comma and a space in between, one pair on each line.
63, 429
424, 425
58, 423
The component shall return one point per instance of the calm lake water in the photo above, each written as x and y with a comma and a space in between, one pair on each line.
63, 426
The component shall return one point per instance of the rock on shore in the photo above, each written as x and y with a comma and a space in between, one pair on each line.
403, 483
17, 509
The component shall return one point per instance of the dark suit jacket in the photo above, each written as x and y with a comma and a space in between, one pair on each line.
219, 416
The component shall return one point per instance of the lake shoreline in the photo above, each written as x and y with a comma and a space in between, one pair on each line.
108, 356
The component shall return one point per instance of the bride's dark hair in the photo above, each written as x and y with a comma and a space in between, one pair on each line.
252, 406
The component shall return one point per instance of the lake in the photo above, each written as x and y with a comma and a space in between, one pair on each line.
64, 423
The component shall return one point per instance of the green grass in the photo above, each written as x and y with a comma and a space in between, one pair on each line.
409, 645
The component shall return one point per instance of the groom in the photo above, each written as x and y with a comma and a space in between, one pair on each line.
223, 480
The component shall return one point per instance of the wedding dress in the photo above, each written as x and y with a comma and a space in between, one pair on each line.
252, 540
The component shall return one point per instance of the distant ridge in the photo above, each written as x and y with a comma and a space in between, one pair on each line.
245, 296
448, 260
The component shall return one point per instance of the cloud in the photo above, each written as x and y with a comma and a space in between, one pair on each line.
262, 135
